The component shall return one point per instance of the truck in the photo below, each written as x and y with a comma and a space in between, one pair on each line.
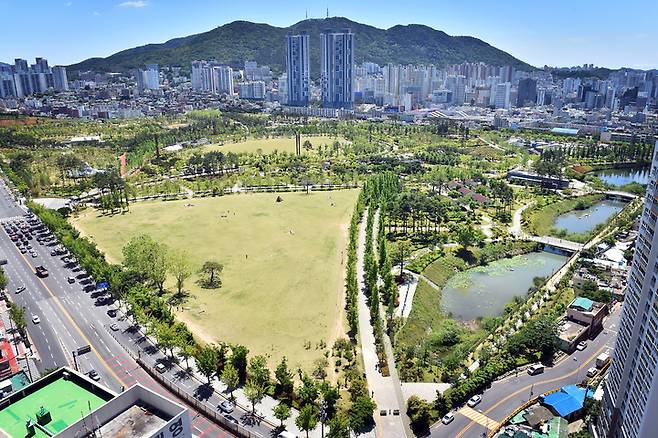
602, 360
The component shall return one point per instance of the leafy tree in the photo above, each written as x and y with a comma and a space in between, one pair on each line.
284, 380
180, 267
420, 414
206, 360
467, 236
308, 392
3, 279
592, 291
17, 315
339, 427
281, 412
538, 335
187, 350
230, 378
254, 393
307, 418
401, 251
212, 269
148, 257
361, 413
239, 360
166, 337
330, 397
258, 371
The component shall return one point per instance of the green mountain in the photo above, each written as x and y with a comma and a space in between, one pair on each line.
240, 41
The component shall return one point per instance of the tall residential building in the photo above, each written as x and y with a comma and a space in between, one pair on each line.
212, 77
148, 79
298, 70
337, 68
222, 80
527, 92
60, 79
501, 95
630, 403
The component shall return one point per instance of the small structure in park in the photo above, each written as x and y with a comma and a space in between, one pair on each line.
279, 199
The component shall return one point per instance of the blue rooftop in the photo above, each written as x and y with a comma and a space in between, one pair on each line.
566, 401
564, 131
582, 303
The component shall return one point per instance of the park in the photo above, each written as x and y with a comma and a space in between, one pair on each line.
282, 283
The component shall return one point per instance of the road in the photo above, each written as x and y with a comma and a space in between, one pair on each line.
505, 395
70, 319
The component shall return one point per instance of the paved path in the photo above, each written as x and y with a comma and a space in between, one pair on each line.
384, 389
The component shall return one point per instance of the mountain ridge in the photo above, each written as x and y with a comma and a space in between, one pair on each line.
241, 40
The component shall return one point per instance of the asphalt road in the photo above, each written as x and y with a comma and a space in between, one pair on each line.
505, 395
70, 319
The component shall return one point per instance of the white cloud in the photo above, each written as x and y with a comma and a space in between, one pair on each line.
68, 3
96, 13
134, 4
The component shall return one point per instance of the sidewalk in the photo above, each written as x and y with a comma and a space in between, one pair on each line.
14, 348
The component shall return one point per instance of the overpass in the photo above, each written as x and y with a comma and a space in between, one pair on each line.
622, 196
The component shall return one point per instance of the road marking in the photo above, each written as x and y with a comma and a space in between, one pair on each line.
526, 388
74, 324
478, 417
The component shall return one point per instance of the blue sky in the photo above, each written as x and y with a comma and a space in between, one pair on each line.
604, 32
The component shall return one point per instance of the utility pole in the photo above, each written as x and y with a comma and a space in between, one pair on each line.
75, 362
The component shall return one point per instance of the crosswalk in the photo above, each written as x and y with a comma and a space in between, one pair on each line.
479, 417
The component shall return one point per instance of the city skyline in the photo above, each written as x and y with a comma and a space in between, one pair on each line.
513, 30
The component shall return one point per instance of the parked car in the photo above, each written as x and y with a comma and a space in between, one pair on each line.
36, 319
160, 367
592, 372
93, 375
474, 401
114, 327
71, 280
581, 346
226, 406
448, 418
20, 289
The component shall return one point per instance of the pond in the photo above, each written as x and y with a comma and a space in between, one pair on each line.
621, 177
584, 221
484, 290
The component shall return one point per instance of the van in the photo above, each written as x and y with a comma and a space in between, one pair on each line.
536, 369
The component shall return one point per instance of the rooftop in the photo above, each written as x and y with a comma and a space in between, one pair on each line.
65, 397
582, 303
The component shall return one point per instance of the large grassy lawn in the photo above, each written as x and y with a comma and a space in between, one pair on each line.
269, 145
283, 264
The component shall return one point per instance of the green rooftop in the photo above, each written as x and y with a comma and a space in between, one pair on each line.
65, 400
583, 303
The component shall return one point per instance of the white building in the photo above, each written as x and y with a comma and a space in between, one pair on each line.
212, 77
630, 403
252, 90
148, 79
501, 95
60, 79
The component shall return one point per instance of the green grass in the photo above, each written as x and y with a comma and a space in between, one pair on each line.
267, 145
440, 271
66, 401
283, 264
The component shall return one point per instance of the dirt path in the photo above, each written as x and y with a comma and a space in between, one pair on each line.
339, 330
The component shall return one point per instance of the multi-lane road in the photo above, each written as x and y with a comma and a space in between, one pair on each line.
70, 318
506, 395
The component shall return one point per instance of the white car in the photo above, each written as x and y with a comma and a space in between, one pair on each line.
20, 289
581, 346
448, 418
592, 372
35, 319
474, 401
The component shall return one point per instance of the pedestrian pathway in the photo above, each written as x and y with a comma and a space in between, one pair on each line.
386, 391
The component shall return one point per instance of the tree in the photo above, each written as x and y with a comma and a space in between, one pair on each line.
258, 371
284, 380
467, 236
212, 269
420, 414
147, 257
206, 360
239, 360
339, 427
187, 350
17, 315
230, 378
281, 412
308, 392
166, 337
254, 393
307, 418
361, 412
538, 335
180, 267
400, 252
3, 279
307, 145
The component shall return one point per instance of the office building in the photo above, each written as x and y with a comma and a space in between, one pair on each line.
67, 404
337, 69
527, 92
630, 402
60, 79
298, 70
